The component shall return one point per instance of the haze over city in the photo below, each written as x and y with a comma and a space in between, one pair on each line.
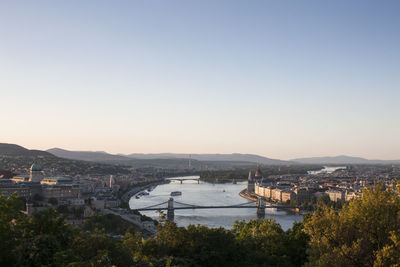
278, 79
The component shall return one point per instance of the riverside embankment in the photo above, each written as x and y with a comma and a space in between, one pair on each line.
246, 195
138, 188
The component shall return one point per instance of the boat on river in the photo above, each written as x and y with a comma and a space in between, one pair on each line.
176, 193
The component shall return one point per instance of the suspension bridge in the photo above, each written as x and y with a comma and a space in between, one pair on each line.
194, 178
172, 205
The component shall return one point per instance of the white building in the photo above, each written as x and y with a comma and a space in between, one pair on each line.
335, 195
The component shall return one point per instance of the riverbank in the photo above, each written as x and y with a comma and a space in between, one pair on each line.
136, 189
246, 195
254, 197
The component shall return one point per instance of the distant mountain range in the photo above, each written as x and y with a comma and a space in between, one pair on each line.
121, 158
235, 157
227, 159
342, 160
180, 161
98, 156
103, 157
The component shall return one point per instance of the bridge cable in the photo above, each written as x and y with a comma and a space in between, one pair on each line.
185, 204
152, 206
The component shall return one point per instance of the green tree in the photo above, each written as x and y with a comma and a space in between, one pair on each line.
37, 197
323, 200
389, 255
112, 224
53, 201
42, 235
96, 249
11, 218
264, 242
354, 236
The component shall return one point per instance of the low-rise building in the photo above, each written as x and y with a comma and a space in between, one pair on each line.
335, 195
20, 178
56, 181
61, 191
276, 195
267, 192
287, 195
350, 195
303, 195
76, 201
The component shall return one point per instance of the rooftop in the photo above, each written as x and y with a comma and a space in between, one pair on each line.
59, 179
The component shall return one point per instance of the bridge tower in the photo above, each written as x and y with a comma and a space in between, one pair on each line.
170, 212
260, 208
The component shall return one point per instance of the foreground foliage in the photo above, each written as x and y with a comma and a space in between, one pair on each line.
364, 233
112, 224
256, 243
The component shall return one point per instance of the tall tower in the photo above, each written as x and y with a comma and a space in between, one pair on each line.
112, 181
250, 183
35, 174
258, 174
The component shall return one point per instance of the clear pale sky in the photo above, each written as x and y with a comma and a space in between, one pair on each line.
282, 79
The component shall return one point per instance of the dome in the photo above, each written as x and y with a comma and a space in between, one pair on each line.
36, 167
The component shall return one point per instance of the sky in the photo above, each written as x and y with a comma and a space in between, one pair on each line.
282, 79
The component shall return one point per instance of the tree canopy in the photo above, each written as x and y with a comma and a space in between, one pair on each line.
363, 233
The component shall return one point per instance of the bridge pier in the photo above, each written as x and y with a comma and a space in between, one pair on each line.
260, 208
170, 211
198, 181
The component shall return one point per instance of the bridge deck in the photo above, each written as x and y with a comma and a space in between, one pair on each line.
178, 179
215, 207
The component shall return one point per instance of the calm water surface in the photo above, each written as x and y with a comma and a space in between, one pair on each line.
327, 169
207, 194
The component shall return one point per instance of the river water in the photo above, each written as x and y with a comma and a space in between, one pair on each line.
327, 169
207, 194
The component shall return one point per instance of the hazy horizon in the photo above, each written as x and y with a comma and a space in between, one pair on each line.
279, 79
227, 153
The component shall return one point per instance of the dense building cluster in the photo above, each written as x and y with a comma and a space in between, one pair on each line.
77, 197
36, 184
342, 184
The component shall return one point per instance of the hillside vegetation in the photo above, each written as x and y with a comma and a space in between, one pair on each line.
18, 159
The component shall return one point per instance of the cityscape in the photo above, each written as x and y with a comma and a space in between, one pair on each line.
112, 195
200, 133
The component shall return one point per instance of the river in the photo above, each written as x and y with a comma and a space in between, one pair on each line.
327, 169
207, 194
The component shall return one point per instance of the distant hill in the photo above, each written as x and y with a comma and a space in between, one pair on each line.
16, 150
96, 156
103, 157
235, 157
17, 159
169, 160
342, 159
